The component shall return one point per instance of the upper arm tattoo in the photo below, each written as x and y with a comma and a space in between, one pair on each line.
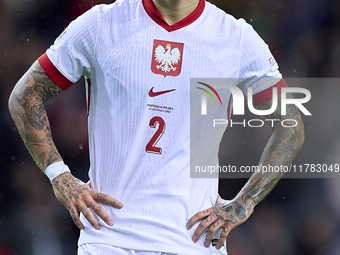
26, 105
36, 82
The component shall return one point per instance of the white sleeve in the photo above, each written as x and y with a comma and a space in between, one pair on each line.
72, 52
258, 68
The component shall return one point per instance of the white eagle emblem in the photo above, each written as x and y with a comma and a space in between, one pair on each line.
167, 59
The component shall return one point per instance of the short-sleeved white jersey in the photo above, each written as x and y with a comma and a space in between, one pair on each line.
138, 71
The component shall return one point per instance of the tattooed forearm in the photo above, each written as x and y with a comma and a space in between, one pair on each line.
26, 105
280, 150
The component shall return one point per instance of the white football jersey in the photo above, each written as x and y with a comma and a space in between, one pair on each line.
138, 72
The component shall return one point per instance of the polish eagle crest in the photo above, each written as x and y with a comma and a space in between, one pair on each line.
167, 57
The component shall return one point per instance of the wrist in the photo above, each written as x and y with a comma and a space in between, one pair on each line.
248, 205
56, 169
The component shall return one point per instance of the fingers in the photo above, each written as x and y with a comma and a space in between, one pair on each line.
211, 222
92, 202
223, 237
89, 202
101, 212
106, 199
89, 216
211, 232
75, 218
204, 225
77, 196
197, 217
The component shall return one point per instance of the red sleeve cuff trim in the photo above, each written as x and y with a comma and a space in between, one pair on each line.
267, 94
53, 72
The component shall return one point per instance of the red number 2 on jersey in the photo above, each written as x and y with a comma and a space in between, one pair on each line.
150, 147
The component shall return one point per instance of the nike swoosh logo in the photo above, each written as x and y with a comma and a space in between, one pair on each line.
154, 94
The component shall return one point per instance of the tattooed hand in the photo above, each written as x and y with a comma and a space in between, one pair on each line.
77, 196
224, 214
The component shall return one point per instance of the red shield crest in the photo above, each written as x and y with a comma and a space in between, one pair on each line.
167, 58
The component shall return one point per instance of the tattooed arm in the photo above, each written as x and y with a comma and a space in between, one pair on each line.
26, 105
280, 150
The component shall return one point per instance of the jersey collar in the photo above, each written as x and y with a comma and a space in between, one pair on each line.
154, 14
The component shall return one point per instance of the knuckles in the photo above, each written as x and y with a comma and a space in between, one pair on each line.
203, 214
94, 205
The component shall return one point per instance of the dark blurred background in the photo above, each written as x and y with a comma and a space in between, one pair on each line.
300, 217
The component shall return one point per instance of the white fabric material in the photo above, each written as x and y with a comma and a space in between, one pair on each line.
112, 45
55, 169
95, 249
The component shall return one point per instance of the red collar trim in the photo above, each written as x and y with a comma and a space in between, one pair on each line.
152, 11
